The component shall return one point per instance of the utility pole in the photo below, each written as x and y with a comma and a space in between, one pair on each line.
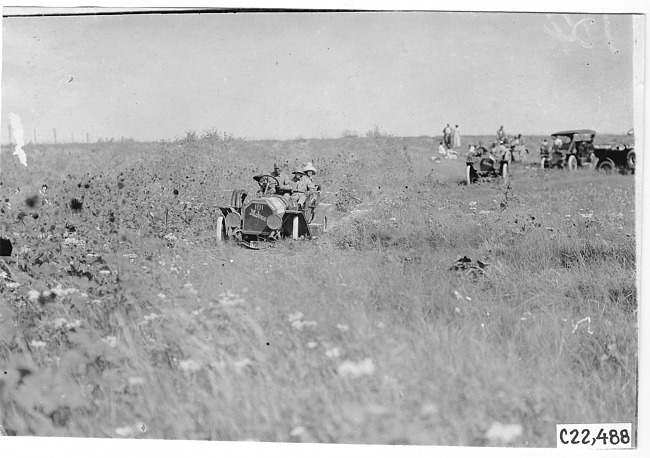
54, 132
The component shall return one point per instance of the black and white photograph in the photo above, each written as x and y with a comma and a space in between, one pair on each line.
275, 225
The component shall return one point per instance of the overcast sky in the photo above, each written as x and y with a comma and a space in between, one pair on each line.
285, 75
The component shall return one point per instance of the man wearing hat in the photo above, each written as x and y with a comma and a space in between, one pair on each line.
284, 182
302, 184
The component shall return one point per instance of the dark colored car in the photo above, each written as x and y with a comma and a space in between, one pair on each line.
615, 155
269, 216
576, 150
483, 164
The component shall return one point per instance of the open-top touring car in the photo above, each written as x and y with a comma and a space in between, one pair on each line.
483, 164
269, 216
576, 150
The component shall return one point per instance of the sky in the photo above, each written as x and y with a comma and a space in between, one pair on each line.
289, 75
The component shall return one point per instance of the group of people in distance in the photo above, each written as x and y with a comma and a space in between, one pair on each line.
502, 147
450, 141
297, 187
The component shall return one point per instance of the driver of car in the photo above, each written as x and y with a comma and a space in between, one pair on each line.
284, 182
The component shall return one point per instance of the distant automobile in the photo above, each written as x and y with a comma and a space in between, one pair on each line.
576, 150
615, 155
268, 216
483, 164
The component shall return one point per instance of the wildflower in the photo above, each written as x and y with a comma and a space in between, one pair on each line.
162, 296
59, 291
333, 352
302, 324
189, 365
428, 410
297, 431
242, 364
230, 299
33, 295
125, 431
37, 344
13, 285
111, 341
503, 433
356, 370
342, 327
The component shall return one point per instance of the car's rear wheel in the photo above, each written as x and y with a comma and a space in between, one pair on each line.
295, 226
505, 172
543, 163
468, 176
631, 159
572, 163
606, 166
221, 228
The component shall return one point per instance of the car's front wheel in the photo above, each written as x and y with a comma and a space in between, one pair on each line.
631, 159
543, 163
606, 166
572, 163
221, 228
469, 175
505, 172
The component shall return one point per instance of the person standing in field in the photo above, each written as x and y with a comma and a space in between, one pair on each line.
456, 137
446, 136
501, 135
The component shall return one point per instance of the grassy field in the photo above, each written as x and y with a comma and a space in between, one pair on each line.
122, 316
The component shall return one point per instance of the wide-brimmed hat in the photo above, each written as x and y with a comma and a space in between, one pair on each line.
298, 171
276, 166
309, 167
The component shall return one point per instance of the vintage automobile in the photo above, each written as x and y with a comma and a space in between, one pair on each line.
577, 150
482, 164
269, 216
615, 155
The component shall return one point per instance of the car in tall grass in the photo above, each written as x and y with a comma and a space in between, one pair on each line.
482, 164
267, 216
575, 149
615, 155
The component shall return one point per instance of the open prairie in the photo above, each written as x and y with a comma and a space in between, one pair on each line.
122, 316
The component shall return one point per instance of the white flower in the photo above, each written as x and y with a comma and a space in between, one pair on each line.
59, 291
503, 433
302, 324
189, 365
230, 299
37, 344
297, 431
13, 285
162, 296
351, 369
333, 352
241, 364
312, 344
33, 295
124, 431
111, 341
